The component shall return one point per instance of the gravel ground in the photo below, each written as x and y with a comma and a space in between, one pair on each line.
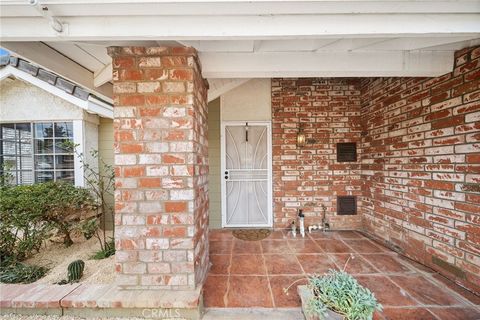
57, 257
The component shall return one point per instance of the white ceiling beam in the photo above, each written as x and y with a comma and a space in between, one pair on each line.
329, 43
222, 86
79, 55
256, 45
326, 64
312, 64
49, 59
220, 46
368, 43
185, 28
417, 43
236, 7
292, 45
456, 45
102, 76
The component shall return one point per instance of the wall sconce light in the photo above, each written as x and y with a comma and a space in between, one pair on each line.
301, 139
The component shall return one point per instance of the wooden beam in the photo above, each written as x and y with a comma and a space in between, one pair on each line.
222, 86
416, 43
220, 46
318, 64
68, 8
326, 64
47, 58
102, 76
314, 26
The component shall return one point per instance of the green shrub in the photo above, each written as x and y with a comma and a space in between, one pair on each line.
89, 228
22, 227
29, 212
18, 272
67, 206
340, 292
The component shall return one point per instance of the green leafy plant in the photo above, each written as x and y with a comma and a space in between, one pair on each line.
340, 292
22, 224
107, 251
89, 228
18, 272
101, 182
28, 214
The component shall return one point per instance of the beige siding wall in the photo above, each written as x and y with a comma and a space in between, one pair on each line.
251, 101
105, 148
214, 163
21, 101
105, 140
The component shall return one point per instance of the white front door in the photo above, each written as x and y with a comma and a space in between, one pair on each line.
246, 174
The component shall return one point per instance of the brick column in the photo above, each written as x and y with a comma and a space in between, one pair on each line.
161, 165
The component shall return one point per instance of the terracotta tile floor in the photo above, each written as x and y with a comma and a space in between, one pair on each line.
254, 274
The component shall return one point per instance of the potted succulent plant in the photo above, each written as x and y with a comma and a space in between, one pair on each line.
338, 296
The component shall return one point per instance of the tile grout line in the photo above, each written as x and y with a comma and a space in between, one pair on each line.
268, 276
407, 293
225, 296
419, 304
411, 271
428, 276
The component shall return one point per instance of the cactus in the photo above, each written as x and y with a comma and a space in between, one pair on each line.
75, 271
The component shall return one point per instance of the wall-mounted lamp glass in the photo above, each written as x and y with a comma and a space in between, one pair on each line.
301, 139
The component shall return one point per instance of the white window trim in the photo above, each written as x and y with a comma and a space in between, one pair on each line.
79, 141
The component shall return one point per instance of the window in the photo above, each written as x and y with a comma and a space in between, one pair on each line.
16, 152
36, 152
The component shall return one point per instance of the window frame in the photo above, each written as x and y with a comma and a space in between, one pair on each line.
16, 155
78, 130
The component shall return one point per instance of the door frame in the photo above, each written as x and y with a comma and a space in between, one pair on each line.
223, 184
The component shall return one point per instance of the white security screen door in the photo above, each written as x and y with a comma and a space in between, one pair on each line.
246, 174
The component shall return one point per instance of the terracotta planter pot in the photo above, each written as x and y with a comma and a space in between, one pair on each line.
306, 294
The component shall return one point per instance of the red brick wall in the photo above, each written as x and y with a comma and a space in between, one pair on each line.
329, 110
421, 163
161, 152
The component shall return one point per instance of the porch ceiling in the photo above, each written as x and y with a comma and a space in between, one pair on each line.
245, 39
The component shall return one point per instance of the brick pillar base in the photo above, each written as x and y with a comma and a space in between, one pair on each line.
161, 166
